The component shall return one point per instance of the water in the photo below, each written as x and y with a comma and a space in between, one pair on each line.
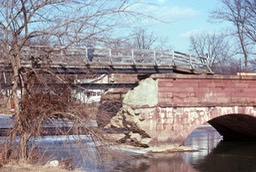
217, 155
212, 155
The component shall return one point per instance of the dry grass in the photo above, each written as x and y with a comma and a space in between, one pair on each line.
33, 168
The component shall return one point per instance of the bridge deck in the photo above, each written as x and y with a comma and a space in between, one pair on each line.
99, 60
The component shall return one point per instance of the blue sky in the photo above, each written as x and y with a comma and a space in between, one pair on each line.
183, 17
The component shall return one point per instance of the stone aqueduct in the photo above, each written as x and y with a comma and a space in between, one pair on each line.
168, 107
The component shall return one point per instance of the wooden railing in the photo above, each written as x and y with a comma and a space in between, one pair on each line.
114, 57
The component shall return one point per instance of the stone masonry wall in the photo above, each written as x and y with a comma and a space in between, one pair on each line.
186, 102
173, 125
205, 90
169, 107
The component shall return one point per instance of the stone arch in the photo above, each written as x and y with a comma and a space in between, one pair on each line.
169, 107
233, 123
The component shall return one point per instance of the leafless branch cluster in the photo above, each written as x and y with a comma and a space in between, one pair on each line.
216, 47
139, 38
227, 48
242, 16
63, 23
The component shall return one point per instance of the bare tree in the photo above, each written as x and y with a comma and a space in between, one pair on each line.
139, 38
54, 22
163, 43
143, 39
242, 15
250, 20
118, 43
215, 46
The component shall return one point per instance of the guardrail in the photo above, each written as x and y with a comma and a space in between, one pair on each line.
113, 57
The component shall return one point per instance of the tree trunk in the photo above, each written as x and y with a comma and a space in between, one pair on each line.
23, 147
15, 61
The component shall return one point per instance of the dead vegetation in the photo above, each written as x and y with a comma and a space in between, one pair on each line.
40, 96
50, 110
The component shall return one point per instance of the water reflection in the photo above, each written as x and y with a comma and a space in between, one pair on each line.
215, 155
212, 155
229, 156
203, 139
161, 163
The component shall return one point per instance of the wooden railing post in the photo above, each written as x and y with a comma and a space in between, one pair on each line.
173, 58
110, 56
133, 60
207, 64
154, 52
86, 55
190, 61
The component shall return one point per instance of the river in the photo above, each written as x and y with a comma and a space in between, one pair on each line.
212, 155
216, 155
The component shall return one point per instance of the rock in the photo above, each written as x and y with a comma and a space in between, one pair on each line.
141, 118
138, 104
129, 111
128, 126
53, 163
145, 141
135, 137
131, 119
108, 126
116, 122
116, 137
137, 112
140, 96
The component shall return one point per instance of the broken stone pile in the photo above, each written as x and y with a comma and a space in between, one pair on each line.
142, 99
129, 120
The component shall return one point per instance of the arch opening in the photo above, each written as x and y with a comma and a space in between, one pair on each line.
235, 127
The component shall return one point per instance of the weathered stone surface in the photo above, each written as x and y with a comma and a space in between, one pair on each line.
116, 122
145, 141
169, 108
133, 122
131, 119
203, 90
145, 94
137, 111
116, 137
135, 136
127, 118
129, 110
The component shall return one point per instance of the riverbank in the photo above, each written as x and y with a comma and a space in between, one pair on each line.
24, 167
151, 151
